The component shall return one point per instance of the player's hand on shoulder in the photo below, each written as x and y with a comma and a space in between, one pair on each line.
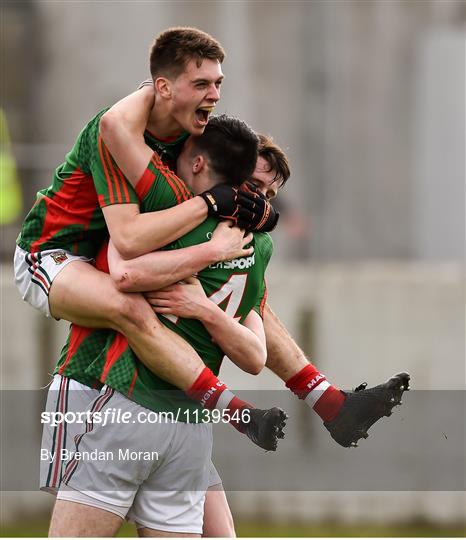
230, 241
222, 201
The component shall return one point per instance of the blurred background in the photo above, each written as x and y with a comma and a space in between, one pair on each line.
368, 100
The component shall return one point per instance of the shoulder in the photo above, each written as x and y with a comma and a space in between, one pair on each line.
264, 243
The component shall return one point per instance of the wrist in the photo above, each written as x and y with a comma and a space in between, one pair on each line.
215, 252
201, 206
209, 312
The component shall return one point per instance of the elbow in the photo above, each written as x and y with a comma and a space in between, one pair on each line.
257, 364
123, 278
127, 248
108, 123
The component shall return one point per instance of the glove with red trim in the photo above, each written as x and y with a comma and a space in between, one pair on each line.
255, 211
222, 201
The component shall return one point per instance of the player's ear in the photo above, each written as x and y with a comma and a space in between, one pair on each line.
198, 164
163, 87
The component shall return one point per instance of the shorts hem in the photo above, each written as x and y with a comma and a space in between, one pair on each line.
94, 502
141, 524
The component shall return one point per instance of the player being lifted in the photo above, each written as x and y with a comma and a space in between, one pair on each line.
169, 497
89, 193
185, 92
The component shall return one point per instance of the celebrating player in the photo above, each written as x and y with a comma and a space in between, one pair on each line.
89, 193
175, 489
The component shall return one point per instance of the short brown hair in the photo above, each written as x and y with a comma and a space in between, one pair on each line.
175, 47
275, 157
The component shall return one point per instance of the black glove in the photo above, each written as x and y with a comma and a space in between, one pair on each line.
255, 211
222, 201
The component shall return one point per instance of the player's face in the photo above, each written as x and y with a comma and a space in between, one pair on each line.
195, 93
264, 178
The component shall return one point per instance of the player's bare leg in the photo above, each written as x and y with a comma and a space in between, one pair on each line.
346, 415
218, 521
88, 297
79, 520
145, 532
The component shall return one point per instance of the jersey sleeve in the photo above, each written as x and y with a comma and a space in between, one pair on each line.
159, 187
110, 183
265, 246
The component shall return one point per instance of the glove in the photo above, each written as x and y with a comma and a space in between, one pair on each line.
222, 201
255, 211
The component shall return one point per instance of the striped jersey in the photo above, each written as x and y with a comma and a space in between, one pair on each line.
68, 214
159, 188
236, 286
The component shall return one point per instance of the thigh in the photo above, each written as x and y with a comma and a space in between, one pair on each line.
88, 297
65, 397
218, 521
82, 294
75, 519
115, 453
172, 498
145, 532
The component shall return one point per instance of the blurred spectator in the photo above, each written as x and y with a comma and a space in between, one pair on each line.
10, 188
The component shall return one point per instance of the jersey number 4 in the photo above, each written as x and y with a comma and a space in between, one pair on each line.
232, 291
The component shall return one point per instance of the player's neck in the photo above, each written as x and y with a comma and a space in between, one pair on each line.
161, 123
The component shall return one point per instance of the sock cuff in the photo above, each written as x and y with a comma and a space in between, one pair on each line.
201, 384
305, 381
305, 373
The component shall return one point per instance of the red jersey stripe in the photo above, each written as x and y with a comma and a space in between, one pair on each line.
119, 345
164, 171
133, 382
104, 167
114, 174
167, 172
120, 180
73, 204
264, 300
77, 336
123, 194
167, 178
144, 183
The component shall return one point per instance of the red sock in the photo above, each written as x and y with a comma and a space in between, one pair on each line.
214, 394
309, 384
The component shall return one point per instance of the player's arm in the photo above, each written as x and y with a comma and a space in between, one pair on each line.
135, 233
122, 130
158, 269
243, 343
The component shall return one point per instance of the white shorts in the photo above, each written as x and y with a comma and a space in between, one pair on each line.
67, 396
158, 470
35, 272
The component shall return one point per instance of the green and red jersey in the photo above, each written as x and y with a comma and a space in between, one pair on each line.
68, 214
236, 286
159, 188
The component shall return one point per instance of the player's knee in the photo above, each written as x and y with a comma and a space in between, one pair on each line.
132, 312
